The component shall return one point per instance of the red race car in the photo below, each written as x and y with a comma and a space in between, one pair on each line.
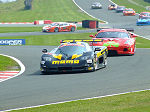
143, 14
118, 41
60, 27
129, 12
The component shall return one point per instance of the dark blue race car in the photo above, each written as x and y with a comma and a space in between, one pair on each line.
74, 55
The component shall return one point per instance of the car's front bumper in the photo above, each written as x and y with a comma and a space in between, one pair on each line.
121, 50
142, 23
47, 67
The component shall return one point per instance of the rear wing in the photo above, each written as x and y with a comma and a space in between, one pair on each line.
128, 29
80, 40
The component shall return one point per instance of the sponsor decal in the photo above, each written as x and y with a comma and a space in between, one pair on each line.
111, 44
58, 56
12, 41
66, 62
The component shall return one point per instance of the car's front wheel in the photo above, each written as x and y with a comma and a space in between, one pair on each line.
56, 30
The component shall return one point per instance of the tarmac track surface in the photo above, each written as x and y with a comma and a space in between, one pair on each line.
123, 73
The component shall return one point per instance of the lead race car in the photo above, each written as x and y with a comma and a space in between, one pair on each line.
118, 41
60, 27
74, 55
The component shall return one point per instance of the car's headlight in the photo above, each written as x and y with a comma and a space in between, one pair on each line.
46, 58
127, 42
85, 58
89, 61
42, 62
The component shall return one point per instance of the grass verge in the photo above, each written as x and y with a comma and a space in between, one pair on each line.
138, 5
26, 29
53, 40
8, 64
55, 10
131, 102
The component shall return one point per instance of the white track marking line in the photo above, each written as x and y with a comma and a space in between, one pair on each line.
21, 66
76, 100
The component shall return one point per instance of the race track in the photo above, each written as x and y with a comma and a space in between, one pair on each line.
123, 73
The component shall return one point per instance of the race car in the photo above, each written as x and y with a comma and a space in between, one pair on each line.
59, 27
143, 14
74, 55
96, 5
112, 7
120, 9
118, 41
129, 12
143, 21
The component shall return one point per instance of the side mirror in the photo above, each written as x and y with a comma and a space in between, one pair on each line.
97, 49
91, 35
44, 51
133, 35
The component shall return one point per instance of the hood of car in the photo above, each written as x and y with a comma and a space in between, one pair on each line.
114, 42
66, 57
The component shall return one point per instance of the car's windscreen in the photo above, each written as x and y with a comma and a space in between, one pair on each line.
112, 35
120, 8
129, 10
145, 14
146, 17
70, 50
54, 24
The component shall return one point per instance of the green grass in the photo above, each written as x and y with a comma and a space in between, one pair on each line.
53, 40
26, 29
8, 64
55, 10
132, 102
140, 5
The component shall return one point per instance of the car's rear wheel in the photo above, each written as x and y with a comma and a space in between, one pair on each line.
95, 63
56, 30
72, 29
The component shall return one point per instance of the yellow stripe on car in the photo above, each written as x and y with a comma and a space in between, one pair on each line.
76, 56
101, 52
58, 56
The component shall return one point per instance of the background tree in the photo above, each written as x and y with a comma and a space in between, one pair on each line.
28, 4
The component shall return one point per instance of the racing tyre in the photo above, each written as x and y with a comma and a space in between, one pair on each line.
56, 30
95, 64
72, 29
105, 63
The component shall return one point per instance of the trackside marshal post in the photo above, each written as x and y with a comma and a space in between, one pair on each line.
12, 41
